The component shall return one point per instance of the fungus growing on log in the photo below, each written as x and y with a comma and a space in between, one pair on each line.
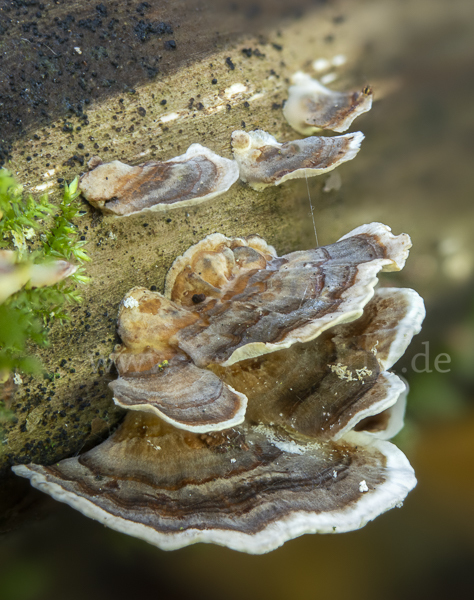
263, 161
312, 107
119, 189
304, 344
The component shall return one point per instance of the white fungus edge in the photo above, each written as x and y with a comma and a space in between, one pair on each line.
400, 480
237, 419
407, 327
354, 299
396, 418
395, 390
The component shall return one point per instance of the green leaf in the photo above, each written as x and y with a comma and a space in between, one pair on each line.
73, 186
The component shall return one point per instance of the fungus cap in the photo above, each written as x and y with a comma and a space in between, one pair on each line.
312, 107
263, 161
293, 298
232, 299
325, 387
250, 489
119, 189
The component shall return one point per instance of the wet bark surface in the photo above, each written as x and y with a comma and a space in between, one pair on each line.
57, 58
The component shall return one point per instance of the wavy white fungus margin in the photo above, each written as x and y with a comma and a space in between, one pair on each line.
237, 419
244, 145
407, 327
354, 298
395, 389
400, 479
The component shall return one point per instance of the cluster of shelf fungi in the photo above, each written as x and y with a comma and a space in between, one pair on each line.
259, 396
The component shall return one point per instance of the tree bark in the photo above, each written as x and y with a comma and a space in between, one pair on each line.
398, 178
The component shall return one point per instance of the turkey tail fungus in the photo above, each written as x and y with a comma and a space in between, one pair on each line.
259, 399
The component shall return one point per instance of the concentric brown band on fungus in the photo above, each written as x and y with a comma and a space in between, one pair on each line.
263, 161
324, 387
310, 456
231, 299
118, 189
250, 488
312, 107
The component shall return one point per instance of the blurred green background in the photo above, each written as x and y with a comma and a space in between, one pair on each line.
426, 548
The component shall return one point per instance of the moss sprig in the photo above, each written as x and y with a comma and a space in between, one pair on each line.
20, 217
62, 240
26, 315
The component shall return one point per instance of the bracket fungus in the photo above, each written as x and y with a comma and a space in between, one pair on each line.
304, 343
311, 106
119, 189
14, 275
263, 161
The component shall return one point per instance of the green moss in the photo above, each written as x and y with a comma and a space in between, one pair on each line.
38, 231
